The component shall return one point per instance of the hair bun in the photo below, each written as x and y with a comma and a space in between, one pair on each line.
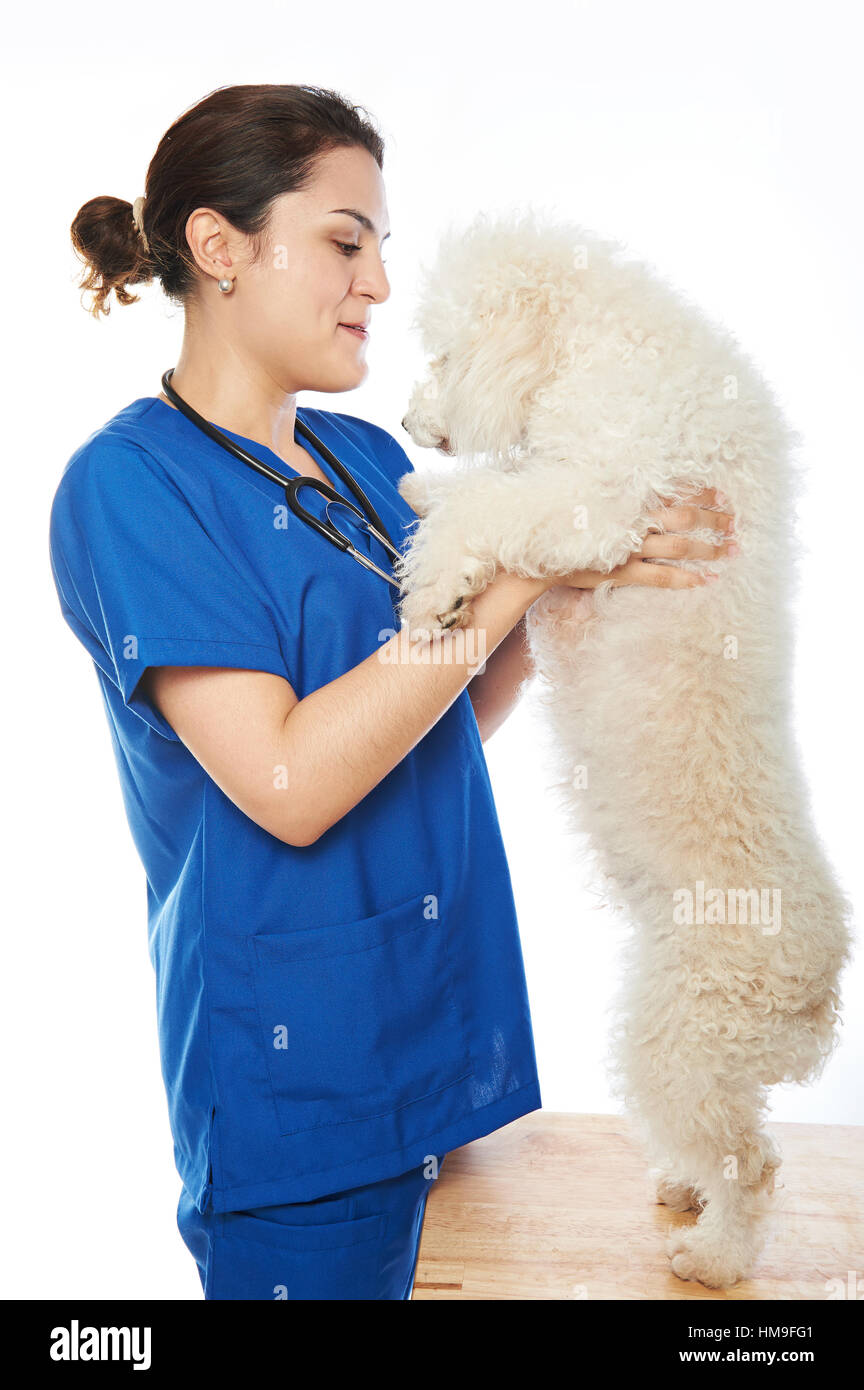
114, 252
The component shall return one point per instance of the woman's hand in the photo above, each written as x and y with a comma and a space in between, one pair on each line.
676, 519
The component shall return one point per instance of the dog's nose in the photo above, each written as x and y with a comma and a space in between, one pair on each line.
402, 422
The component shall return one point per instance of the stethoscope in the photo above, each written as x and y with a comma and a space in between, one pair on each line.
292, 486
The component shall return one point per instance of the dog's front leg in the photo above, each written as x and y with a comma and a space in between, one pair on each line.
539, 522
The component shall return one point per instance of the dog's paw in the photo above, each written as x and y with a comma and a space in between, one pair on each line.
443, 602
677, 1195
698, 1255
434, 608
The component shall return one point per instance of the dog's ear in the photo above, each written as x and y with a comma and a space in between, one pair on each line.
509, 351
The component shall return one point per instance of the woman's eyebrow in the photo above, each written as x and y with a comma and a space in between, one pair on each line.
361, 218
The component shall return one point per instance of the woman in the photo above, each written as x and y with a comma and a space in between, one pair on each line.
341, 996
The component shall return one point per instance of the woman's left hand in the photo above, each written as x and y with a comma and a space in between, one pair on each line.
702, 510
672, 543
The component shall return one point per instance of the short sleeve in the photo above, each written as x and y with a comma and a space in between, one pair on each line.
142, 582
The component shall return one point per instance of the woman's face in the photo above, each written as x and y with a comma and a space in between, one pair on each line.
323, 268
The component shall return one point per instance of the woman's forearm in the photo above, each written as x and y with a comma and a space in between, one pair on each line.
342, 739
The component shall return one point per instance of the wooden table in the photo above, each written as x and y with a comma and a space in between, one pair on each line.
559, 1206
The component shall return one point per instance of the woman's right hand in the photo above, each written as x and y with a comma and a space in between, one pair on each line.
672, 544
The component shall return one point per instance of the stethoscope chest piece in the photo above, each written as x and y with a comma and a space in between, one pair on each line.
330, 530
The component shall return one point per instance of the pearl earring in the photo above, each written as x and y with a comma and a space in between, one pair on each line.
226, 285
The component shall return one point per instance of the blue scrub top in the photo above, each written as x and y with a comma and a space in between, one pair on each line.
328, 1015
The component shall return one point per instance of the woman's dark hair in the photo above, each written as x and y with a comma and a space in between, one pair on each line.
236, 151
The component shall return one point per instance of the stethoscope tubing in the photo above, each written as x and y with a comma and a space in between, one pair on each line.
369, 517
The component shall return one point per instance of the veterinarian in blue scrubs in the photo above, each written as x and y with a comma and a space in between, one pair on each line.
332, 1018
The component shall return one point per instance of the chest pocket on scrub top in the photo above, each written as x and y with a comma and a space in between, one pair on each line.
358, 1020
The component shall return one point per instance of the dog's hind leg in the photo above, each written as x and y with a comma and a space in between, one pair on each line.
733, 1163
724, 1243
698, 1107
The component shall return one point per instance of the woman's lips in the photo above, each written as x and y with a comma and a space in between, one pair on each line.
358, 332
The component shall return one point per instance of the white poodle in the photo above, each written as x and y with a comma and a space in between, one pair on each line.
577, 390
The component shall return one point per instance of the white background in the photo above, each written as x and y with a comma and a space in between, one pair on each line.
722, 144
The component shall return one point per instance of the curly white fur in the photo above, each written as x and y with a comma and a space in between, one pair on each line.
576, 389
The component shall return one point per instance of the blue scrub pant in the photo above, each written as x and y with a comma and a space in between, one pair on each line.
358, 1244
